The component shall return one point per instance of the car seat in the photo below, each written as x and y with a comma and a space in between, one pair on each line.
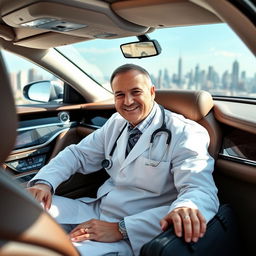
25, 229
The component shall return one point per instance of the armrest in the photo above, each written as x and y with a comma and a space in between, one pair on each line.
221, 238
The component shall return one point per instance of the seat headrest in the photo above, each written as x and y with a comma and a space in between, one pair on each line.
192, 104
8, 117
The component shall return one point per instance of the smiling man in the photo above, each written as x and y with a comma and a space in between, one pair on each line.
152, 184
134, 94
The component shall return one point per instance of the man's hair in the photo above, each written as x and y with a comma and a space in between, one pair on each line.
127, 67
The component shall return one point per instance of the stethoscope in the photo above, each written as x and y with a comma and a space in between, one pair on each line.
107, 163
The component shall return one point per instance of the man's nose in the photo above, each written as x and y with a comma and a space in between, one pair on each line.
128, 100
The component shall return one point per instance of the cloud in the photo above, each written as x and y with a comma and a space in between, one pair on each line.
228, 54
98, 50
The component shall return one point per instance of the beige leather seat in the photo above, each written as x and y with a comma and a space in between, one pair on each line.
197, 106
25, 229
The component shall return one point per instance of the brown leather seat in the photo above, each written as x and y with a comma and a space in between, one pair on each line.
25, 229
197, 106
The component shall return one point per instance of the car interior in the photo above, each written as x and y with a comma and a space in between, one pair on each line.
31, 135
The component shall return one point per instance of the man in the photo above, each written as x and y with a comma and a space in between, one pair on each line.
148, 188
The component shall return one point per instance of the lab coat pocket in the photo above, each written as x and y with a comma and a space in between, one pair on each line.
152, 175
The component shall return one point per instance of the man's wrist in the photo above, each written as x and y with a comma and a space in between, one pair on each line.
39, 181
122, 230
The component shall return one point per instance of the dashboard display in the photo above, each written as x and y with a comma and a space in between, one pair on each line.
26, 138
39, 135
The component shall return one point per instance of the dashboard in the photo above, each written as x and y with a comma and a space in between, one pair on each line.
34, 145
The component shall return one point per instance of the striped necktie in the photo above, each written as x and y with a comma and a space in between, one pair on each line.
132, 140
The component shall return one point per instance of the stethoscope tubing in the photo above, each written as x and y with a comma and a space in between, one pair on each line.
107, 163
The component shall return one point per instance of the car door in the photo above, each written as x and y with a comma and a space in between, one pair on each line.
48, 125
235, 171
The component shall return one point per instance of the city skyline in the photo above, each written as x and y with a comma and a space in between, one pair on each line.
232, 82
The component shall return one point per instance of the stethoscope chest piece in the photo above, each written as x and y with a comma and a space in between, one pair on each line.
106, 164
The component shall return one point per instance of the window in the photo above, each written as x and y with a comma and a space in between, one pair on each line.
22, 72
207, 57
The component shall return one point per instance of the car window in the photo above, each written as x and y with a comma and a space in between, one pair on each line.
23, 72
207, 57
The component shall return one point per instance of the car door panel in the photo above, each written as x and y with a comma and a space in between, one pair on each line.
237, 186
235, 169
240, 114
41, 135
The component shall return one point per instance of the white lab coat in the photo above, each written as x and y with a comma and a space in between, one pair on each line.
140, 193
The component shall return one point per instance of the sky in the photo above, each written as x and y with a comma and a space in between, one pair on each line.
215, 45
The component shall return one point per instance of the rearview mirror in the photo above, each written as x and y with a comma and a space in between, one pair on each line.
141, 49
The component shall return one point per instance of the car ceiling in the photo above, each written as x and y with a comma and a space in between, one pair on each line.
80, 20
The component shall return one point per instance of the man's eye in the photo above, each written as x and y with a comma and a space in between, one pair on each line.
136, 92
119, 95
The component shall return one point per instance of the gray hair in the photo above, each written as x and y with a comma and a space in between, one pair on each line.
128, 67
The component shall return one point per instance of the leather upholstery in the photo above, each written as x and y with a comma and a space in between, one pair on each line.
194, 105
197, 106
26, 225
25, 229
8, 117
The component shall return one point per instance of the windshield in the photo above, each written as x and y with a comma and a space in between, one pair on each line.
206, 57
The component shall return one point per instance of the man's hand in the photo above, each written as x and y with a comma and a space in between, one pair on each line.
42, 193
190, 220
96, 230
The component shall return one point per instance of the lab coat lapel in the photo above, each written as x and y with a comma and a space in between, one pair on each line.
143, 143
121, 146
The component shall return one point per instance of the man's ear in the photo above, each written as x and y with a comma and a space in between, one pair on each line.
153, 91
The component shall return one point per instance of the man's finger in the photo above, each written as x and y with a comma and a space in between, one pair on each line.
164, 224
177, 223
74, 231
202, 224
48, 202
77, 232
82, 237
45, 198
196, 226
82, 226
187, 226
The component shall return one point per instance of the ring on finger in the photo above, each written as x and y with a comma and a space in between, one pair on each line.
185, 217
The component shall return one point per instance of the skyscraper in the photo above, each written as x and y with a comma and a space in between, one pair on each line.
197, 77
179, 82
22, 79
166, 79
235, 76
225, 80
160, 79
210, 78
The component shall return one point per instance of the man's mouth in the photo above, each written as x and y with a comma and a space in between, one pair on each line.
130, 109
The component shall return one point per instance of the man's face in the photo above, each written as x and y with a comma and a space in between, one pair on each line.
134, 95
